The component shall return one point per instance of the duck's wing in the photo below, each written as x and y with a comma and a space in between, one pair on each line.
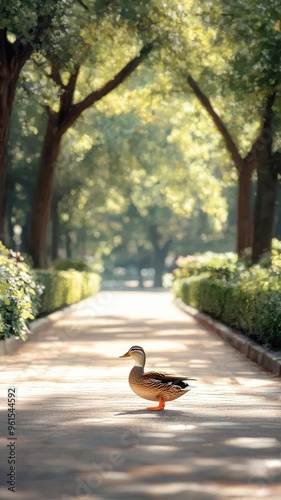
166, 378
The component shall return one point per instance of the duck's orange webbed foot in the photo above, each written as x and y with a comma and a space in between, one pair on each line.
161, 405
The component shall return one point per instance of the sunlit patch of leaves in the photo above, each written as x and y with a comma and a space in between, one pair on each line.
19, 295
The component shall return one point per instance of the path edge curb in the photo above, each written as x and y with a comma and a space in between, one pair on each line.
265, 358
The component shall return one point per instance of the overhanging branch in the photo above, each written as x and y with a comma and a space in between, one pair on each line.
221, 127
98, 94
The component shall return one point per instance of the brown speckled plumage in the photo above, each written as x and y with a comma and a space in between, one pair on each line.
154, 385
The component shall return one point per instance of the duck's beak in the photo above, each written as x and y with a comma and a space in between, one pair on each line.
127, 355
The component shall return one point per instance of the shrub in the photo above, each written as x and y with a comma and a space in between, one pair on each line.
19, 295
25, 293
248, 300
197, 264
63, 288
77, 265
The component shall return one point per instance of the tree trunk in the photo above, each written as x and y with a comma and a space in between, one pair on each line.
244, 219
9, 211
3, 172
68, 245
13, 56
267, 171
277, 228
159, 266
264, 210
41, 207
140, 278
25, 233
159, 255
55, 228
7, 94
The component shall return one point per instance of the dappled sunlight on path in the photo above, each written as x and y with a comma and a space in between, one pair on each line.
83, 434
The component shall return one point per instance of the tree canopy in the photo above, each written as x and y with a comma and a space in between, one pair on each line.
128, 120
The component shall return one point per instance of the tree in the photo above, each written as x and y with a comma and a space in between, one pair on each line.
140, 22
17, 43
144, 199
187, 183
267, 182
245, 166
58, 123
255, 69
27, 131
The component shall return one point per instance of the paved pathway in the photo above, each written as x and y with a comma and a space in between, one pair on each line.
82, 433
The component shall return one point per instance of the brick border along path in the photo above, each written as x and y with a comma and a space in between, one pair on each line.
82, 434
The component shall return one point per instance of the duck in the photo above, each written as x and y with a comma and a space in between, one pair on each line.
154, 386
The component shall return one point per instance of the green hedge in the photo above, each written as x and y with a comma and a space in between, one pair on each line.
75, 264
249, 301
24, 294
63, 288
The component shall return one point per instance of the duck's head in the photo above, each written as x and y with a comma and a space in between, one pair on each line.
137, 353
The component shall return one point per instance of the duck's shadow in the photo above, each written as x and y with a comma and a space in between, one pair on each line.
162, 413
